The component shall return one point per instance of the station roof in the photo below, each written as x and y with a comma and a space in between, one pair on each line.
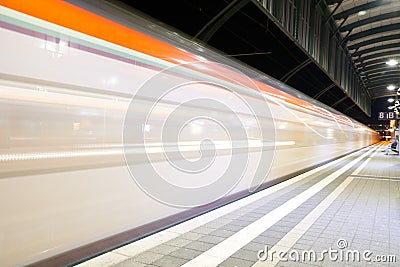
371, 32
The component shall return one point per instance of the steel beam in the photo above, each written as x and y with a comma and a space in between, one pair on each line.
359, 8
377, 55
374, 41
340, 101
215, 23
323, 91
369, 20
376, 30
376, 48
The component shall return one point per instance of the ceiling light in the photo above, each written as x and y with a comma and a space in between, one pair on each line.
390, 100
391, 87
362, 12
392, 62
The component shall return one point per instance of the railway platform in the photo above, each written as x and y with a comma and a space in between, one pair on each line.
344, 213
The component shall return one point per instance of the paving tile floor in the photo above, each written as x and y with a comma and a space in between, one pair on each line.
362, 218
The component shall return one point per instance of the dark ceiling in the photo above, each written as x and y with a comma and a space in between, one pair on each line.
255, 39
371, 32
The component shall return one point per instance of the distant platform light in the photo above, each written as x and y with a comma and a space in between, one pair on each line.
392, 62
391, 87
390, 100
362, 12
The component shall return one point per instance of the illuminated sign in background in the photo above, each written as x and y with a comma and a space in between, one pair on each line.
388, 116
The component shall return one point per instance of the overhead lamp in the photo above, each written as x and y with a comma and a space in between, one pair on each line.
362, 12
391, 87
392, 62
390, 100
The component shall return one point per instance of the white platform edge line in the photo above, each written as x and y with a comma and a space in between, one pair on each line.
139, 246
226, 248
295, 234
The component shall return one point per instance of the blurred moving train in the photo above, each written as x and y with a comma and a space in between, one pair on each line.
95, 98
